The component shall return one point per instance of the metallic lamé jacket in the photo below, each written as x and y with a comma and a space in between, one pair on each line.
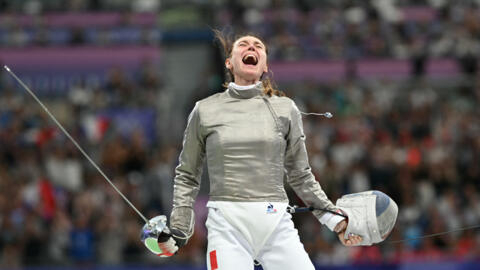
250, 141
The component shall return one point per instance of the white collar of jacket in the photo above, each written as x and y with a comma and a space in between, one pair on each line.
247, 91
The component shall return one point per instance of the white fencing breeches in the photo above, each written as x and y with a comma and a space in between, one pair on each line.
232, 247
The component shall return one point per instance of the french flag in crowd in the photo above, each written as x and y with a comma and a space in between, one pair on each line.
41, 195
40, 136
95, 127
47, 196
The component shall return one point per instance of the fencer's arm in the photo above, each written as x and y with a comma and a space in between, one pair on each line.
299, 173
333, 222
187, 179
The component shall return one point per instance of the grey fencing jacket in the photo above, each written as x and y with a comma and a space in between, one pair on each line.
250, 141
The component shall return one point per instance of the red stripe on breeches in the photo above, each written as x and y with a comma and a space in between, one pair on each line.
213, 260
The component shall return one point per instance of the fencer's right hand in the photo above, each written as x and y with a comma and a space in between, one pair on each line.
352, 239
167, 244
180, 237
157, 238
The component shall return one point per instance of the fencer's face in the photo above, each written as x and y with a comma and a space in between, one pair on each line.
248, 60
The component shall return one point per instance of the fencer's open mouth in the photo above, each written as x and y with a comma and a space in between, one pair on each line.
250, 59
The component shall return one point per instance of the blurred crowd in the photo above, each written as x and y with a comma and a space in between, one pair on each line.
55, 208
416, 140
356, 29
295, 29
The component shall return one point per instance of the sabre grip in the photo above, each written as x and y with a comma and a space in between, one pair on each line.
180, 237
167, 244
163, 237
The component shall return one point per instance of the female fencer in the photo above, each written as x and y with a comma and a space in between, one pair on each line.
251, 136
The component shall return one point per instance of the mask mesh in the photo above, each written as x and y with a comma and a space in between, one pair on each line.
386, 211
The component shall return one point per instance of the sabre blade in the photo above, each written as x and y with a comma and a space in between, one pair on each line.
74, 142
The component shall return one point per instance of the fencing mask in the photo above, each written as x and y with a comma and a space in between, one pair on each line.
371, 214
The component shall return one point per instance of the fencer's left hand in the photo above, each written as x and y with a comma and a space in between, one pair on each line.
352, 240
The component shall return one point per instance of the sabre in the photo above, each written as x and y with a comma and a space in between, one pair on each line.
75, 143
